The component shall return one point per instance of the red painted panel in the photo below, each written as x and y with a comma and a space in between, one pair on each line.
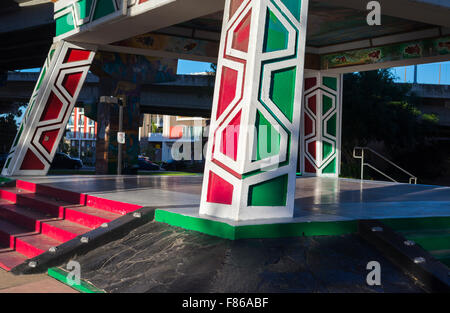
227, 93
48, 139
309, 168
242, 33
235, 4
31, 162
75, 55
308, 125
52, 108
310, 82
176, 132
312, 104
312, 149
230, 137
219, 190
111, 205
71, 81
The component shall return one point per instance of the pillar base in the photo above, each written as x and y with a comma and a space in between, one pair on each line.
267, 228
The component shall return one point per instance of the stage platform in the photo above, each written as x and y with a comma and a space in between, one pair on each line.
317, 199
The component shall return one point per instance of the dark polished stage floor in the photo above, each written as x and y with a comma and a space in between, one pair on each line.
317, 199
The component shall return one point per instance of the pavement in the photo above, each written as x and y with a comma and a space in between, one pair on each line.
39, 283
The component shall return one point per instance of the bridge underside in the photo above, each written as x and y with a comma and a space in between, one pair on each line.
278, 84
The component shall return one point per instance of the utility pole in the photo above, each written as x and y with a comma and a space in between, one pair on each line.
415, 74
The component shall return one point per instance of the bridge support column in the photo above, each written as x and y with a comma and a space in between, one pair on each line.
321, 119
251, 161
49, 109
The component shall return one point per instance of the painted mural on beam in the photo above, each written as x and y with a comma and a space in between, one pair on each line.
396, 52
172, 44
49, 109
251, 160
135, 68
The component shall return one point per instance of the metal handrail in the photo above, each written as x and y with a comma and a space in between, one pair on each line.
412, 178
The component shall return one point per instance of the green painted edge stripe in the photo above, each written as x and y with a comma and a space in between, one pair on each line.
4, 179
226, 231
84, 286
209, 227
418, 223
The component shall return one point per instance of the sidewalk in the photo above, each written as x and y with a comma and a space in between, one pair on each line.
40, 283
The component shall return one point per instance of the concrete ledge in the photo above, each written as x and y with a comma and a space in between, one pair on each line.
84, 286
233, 232
432, 274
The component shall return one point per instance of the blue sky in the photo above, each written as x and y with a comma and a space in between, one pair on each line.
426, 73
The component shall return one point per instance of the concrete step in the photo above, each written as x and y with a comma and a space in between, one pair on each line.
10, 258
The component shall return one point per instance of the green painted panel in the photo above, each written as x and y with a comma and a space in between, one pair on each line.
331, 125
52, 52
267, 139
327, 149
41, 78
7, 163
64, 24
84, 286
103, 8
327, 104
84, 7
294, 6
223, 230
276, 35
330, 168
269, 193
330, 82
282, 90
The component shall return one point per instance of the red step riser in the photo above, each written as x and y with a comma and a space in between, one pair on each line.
110, 205
7, 195
27, 249
57, 233
84, 219
65, 195
19, 219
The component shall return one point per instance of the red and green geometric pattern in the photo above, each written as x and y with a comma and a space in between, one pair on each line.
252, 149
321, 125
49, 109
70, 15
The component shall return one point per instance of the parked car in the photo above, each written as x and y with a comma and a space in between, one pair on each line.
147, 165
64, 161
173, 165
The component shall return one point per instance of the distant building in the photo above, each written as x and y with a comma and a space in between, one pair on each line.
81, 134
159, 132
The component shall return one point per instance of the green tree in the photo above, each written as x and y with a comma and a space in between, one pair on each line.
376, 109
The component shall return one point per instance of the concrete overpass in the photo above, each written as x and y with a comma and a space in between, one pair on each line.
192, 95
188, 95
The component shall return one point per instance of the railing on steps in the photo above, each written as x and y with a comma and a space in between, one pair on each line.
412, 178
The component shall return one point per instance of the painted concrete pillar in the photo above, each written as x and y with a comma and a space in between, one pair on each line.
321, 124
49, 109
252, 151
